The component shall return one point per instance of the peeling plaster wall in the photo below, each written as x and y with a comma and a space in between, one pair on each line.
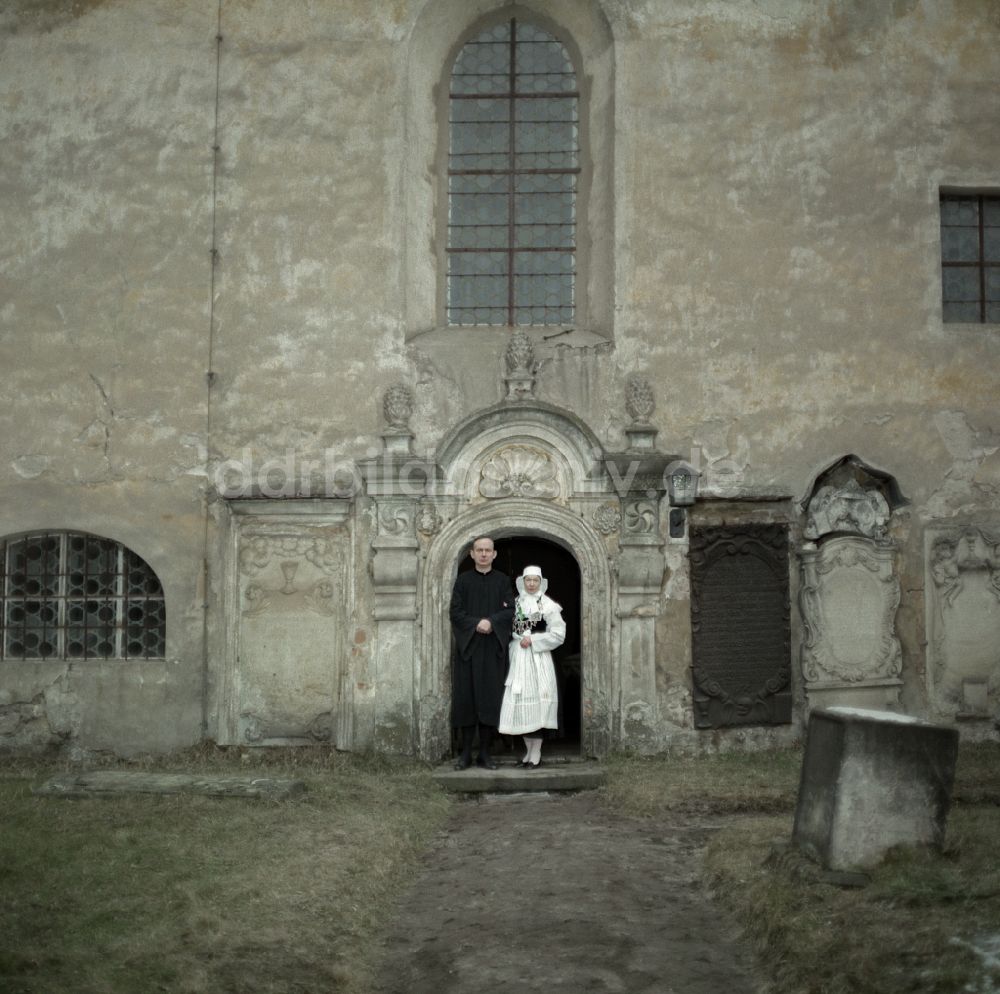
104, 322
776, 171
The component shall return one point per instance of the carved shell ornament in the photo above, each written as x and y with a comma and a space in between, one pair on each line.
519, 471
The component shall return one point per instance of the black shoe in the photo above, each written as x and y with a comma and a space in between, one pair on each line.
487, 763
463, 763
533, 766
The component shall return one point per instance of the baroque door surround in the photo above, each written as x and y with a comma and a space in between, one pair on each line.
523, 467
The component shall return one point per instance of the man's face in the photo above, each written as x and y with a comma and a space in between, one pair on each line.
483, 553
532, 583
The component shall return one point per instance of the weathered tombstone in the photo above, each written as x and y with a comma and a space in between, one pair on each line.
872, 780
848, 596
963, 621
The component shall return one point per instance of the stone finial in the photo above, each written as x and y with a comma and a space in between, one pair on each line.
520, 356
397, 406
520, 361
639, 400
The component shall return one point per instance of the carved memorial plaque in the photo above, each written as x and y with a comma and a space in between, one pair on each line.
740, 625
288, 632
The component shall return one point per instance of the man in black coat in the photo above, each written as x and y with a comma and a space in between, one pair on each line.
482, 613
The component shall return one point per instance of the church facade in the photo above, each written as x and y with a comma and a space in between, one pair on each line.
694, 305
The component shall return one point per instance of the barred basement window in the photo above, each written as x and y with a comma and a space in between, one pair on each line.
513, 168
970, 258
67, 595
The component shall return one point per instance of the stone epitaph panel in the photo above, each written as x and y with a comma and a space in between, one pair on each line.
848, 597
963, 615
289, 605
740, 624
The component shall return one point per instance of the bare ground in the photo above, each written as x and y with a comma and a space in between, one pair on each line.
547, 892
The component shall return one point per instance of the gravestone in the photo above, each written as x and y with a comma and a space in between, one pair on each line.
872, 780
740, 626
963, 621
848, 596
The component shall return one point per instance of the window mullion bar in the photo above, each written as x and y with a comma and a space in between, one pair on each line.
512, 152
982, 259
121, 608
62, 592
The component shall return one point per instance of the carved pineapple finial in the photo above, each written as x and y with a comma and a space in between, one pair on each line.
520, 354
397, 406
639, 400
520, 361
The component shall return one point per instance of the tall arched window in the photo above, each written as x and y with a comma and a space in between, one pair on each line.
513, 168
67, 595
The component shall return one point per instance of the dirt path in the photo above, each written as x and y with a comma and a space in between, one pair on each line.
554, 893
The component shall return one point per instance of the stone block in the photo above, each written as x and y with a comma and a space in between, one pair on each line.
872, 780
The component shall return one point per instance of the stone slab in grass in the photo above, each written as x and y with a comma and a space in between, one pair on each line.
113, 783
872, 780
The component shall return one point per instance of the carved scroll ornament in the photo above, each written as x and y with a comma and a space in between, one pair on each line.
848, 508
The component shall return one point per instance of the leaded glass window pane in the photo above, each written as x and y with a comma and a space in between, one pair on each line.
513, 169
66, 595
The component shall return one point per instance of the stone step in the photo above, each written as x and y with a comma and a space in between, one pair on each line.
553, 775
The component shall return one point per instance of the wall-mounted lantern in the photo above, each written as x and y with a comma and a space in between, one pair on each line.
682, 483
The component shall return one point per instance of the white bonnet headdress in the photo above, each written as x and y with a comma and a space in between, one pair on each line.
532, 571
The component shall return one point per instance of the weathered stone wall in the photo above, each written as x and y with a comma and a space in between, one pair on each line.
249, 190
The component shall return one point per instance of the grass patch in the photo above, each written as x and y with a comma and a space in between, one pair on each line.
182, 893
727, 783
928, 921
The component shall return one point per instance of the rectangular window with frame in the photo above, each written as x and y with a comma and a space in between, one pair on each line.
970, 258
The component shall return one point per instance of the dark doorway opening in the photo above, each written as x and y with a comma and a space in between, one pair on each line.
561, 570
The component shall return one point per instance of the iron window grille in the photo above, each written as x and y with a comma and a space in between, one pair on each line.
68, 595
970, 258
513, 172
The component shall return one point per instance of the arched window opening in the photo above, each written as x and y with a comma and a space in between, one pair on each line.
68, 595
513, 173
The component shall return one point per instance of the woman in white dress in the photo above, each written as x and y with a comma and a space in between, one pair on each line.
530, 697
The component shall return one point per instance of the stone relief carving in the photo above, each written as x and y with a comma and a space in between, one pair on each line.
849, 597
256, 729
951, 558
428, 520
847, 508
395, 519
258, 551
640, 517
964, 619
519, 471
607, 518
